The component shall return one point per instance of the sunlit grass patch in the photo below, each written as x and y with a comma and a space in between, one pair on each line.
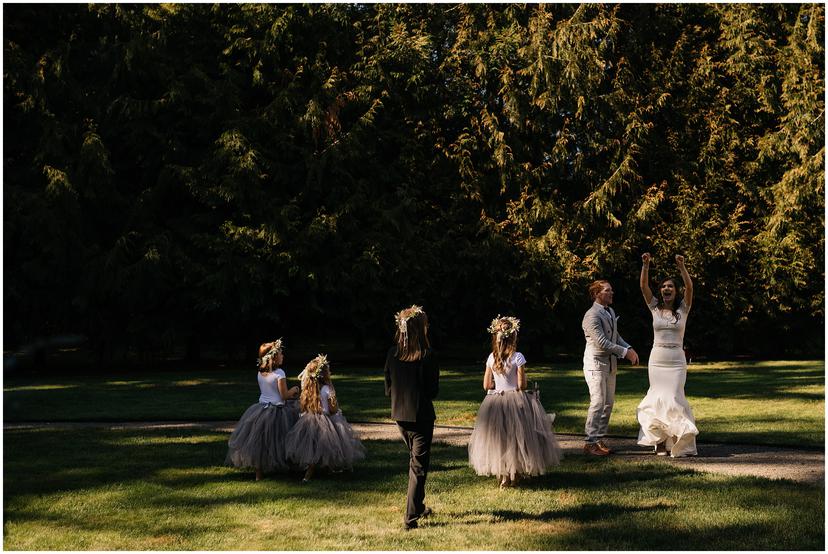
200, 383
44, 387
151, 439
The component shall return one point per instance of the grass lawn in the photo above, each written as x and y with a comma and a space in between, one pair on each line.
93, 489
773, 402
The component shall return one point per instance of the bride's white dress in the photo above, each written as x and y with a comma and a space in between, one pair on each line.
664, 414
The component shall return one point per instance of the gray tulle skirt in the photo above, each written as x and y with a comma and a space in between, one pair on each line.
258, 441
325, 441
513, 436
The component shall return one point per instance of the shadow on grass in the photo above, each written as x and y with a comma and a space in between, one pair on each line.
85, 529
592, 475
609, 534
584, 513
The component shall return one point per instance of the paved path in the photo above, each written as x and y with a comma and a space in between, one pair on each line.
806, 466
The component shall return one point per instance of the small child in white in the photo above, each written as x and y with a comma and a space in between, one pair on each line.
258, 441
322, 438
512, 436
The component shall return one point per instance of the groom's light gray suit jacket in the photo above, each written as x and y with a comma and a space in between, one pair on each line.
603, 343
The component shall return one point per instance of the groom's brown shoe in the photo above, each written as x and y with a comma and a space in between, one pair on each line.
594, 450
603, 446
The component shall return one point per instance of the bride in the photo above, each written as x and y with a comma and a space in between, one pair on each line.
667, 422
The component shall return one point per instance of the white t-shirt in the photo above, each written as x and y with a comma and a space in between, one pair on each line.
509, 379
269, 385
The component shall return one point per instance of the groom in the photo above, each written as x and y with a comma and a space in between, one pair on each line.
603, 348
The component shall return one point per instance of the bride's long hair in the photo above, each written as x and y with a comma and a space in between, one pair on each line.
677, 301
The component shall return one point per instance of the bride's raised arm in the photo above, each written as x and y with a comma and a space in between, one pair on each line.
644, 280
688, 283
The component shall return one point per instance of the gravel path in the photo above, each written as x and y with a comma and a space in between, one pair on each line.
806, 466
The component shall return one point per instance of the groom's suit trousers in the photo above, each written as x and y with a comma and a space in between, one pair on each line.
601, 400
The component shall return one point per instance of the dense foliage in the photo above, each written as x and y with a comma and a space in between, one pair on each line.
193, 175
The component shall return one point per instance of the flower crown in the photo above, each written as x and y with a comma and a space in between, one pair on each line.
402, 318
275, 350
316, 366
504, 327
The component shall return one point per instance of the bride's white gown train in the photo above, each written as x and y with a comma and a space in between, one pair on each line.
664, 414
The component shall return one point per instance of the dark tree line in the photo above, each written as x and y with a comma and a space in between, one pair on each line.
193, 175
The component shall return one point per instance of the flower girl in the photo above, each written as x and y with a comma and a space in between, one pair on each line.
258, 441
322, 438
512, 436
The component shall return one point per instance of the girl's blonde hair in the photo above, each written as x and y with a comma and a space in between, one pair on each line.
504, 332
317, 373
412, 334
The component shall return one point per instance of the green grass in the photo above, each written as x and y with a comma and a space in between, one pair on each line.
93, 489
775, 402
